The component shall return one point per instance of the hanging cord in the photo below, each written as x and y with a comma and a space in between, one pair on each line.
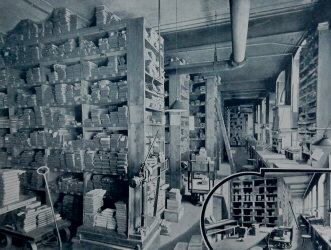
215, 39
159, 21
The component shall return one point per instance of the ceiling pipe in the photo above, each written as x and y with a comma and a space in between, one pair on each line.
239, 10
239, 20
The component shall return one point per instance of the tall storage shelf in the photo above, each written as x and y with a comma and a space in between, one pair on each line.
237, 126
203, 134
177, 122
258, 201
198, 91
93, 112
314, 86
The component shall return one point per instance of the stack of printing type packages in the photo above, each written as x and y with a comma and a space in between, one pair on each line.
52, 51
71, 185
9, 186
104, 16
45, 217
3, 100
37, 139
73, 71
28, 159
4, 122
58, 74
25, 99
90, 69
121, 217
93, 201
10, 77
88, 48
26, 218
63, 21
34, 180
33, 76
67, 206
106, 219
175, 210
60, 93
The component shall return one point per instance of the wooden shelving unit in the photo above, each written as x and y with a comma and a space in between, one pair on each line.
237, 124
314, 103
198, 91
259, 201
204, 133
91, 113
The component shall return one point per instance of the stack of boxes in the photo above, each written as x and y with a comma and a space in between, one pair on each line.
9, 186
121, 217
114, 163
106, 219
105, 91
93, 201
63, 21
35, 216
3, 100
175, 210
99, 117
201, 162
71, 184
104, 16
195, 243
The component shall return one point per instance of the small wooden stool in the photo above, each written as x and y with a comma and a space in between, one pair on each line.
305, 237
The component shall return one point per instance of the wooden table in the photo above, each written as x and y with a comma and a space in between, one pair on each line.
248, 242
322, 233
264, 155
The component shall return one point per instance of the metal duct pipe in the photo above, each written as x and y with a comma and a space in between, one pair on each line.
239, 21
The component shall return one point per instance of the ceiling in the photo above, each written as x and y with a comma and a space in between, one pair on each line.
193, 27
189, 13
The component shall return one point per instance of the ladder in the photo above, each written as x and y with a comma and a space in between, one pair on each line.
226, 138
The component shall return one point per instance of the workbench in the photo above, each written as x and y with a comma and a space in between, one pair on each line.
319, 233
248, 242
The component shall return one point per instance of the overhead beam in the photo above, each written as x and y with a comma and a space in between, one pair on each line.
236, 102
281, 40
285, 21
297, 179
251, 85
298, 186
238, 95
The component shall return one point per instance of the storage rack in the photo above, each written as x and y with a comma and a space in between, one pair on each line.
255, 201
138, 58
177, 132
314, 86
237, 126
198, 111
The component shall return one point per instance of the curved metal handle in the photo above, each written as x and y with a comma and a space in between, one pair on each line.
43, 170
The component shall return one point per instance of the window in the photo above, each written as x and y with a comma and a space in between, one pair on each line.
314, 201
321, 202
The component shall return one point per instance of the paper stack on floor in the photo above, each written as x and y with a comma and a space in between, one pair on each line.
9, 186
121, 217
195, 243
175, 210
106, 219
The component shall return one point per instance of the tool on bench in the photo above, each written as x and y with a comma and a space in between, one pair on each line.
43, 171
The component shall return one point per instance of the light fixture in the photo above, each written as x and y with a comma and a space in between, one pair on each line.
176, 106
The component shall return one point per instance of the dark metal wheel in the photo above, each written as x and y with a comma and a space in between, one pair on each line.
5, 241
